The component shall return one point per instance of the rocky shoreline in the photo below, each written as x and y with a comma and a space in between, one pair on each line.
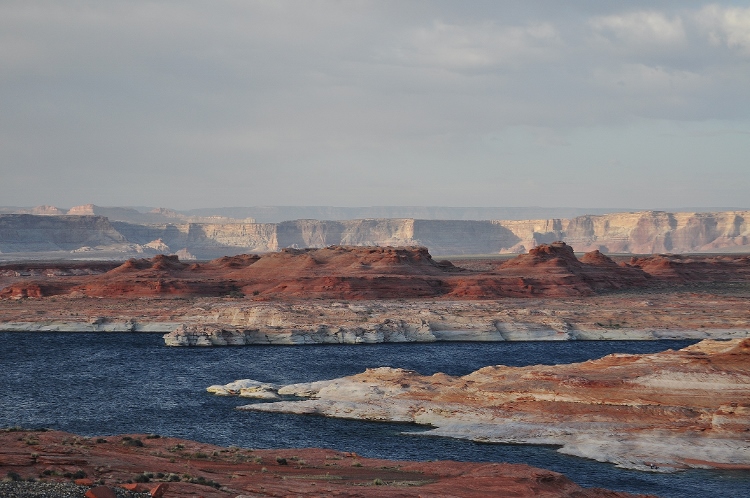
654, 412
208, 335
100, 326
42, 464
221, 321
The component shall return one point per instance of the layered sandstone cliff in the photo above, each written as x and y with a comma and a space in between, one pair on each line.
30, 233
659, 412
643, 232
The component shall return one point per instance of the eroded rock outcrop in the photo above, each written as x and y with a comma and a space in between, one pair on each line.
658, 412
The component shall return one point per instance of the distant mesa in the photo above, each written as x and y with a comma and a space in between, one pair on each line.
47, 210
120, 233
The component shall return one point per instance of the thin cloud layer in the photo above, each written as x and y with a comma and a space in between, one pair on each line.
190, 104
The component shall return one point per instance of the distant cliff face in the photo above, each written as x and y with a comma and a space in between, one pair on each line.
30, 233
642, 232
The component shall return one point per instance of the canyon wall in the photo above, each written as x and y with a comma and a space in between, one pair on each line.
31, 233
643, 232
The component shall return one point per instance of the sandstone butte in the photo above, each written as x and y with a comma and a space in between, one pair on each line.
188, 468
349, 272
660, 412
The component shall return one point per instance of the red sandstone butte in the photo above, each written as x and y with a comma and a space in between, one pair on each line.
346, 272
197, 469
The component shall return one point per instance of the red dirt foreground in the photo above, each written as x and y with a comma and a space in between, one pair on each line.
343, 272
172, 468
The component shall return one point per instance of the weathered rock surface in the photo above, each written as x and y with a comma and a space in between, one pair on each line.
187, 468
666, 316
659, 412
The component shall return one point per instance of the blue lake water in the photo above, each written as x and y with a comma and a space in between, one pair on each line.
104, 384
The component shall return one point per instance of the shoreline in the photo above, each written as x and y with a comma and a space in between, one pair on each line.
217, 336
658, 412
144, 463
208, 335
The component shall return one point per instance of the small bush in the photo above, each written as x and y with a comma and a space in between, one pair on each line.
281, 461
132, 442
153, 436
141, 478
79, 474
13, 476
101, 440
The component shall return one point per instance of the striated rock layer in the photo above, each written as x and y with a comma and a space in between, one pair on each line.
179, 467
658, 412
126, 231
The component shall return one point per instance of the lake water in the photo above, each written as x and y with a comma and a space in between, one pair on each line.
104, 384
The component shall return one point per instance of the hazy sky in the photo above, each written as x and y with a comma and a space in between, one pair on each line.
353, 103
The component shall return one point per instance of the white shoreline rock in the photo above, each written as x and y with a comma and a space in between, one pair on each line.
246, 388
393, 331
97, 325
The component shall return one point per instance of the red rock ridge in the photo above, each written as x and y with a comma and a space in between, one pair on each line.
349, 272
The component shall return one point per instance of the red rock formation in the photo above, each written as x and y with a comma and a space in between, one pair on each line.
197, 469
347, 272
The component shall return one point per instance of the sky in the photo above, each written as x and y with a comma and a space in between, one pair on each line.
188, 104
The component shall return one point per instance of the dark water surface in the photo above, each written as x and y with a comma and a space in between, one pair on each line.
104, 384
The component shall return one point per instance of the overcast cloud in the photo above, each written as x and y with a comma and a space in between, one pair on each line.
192, 104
